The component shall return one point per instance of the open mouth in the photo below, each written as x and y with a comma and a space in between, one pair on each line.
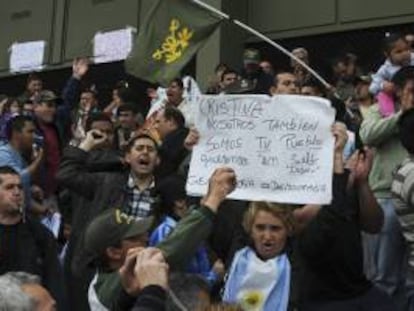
268, 247
143, 162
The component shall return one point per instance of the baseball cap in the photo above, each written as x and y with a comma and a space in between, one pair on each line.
110, 228
45, 96
251, 56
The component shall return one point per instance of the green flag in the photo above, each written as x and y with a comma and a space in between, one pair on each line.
171, 34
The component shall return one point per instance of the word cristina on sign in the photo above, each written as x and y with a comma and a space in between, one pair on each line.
281, 147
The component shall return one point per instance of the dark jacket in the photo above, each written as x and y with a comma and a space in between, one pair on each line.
92, 184
61, 125
178, 249
172, 152
331, 250
151, 298
28, 246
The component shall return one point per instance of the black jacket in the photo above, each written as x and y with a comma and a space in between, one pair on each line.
28, 246
172, 152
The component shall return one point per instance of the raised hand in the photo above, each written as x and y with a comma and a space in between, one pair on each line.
93, 139
151, 268
222, 182
192, 139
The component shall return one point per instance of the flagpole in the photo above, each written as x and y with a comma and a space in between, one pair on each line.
264, 38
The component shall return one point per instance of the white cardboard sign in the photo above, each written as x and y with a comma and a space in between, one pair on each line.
280, 147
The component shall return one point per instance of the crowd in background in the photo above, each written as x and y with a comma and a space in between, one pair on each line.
94, 214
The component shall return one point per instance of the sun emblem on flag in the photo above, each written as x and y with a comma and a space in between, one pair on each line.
174, 44
252, 300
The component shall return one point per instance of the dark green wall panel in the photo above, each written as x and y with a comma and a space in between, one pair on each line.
271, 15
360, 10
24, 20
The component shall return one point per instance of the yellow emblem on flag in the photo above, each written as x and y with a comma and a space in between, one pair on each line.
252, 300
174, 44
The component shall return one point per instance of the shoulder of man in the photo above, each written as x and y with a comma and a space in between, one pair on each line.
403, 181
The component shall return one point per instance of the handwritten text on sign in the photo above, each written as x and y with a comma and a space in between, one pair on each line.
281, 147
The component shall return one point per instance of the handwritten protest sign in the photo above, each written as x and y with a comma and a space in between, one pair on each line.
281, 147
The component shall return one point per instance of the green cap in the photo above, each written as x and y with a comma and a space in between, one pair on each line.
45, 96
110, 228
251, 56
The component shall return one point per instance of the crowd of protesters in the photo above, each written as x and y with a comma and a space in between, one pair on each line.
94, 214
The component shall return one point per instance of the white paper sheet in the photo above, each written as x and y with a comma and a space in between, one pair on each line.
112, 45
27, 56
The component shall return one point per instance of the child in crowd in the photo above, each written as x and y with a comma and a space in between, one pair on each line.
9, 108
398, 53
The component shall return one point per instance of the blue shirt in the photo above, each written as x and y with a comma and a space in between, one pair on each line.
199, 264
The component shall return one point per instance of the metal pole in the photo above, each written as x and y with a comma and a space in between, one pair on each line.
264, 38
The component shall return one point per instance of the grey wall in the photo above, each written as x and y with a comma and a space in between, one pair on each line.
293, 18
68, 26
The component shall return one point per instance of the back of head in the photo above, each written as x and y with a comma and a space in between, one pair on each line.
170, 189
12, 296
186, 292
175, 115
406, 126
403, 75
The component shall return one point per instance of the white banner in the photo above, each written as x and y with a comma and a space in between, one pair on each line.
27, 56
113, 45
281, 147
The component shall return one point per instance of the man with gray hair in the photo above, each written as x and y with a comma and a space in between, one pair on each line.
30, 284
12, 296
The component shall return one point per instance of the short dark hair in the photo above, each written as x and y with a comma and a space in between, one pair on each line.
16, 124
141, 136
406, 126
275, 79
33, 77
179, 82
127, 107
186, 288
7, 170
228, 71
403, 75
390, 40
90, 90
315, 84
95, 117
9, 102
170, 189
221, 66
174, 114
